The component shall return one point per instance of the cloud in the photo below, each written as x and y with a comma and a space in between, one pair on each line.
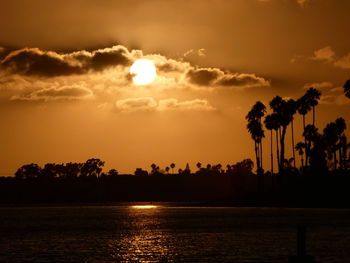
334, 99
330, 94
174, 105
136, 104
302, 3
328, 56
33, 61
57, 93
217, 77
319, 85
36, 62
171, 104
324, 54
343, 62
34, 74
196, 53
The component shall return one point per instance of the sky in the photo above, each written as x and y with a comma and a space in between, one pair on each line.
66, 93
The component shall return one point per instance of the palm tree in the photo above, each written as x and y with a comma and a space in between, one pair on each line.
172, 166
199, 165
269, 125
340, 128
303, 108
300, 146
313, 96
347, 88
167, 169
331, 138
284, 114
310, 134
255, 129
293, 106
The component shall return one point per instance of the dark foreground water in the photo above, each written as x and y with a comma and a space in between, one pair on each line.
169, 234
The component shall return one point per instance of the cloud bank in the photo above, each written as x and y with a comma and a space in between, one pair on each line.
102, 75
172, 104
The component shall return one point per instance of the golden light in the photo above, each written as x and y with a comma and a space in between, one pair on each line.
144, 206
143, 71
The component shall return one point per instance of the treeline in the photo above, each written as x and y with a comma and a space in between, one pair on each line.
320, 152
92, 169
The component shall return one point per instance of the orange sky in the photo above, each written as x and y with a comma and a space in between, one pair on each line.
66, 93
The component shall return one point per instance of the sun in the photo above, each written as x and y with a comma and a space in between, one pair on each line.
143, 71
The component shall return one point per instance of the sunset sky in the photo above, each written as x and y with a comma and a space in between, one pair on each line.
66, 93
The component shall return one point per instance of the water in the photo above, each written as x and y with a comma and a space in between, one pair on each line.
169, 234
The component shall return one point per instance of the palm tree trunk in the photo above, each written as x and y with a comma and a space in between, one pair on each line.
282, 147
335, 160
256, 155
302, 161
340, 159
313, 115
306, 150
261, 155
278, 152
271, 152
293, 143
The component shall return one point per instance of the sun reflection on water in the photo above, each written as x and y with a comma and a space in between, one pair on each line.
143, 240
144, 206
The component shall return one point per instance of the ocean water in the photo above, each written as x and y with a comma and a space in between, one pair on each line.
169, 234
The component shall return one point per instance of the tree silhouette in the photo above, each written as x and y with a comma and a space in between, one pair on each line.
167, 169
347, 88
292, 107
92, 168
312, 97
28, 171
254, 127
300, 147
340, 128
172, 166
284, 112
303, 108
269, 124
199, 165
310, 134
112, 173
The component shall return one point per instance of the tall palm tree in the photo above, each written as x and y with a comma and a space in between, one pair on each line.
292, 107
172, 166
269, 124
313, 96
303, 105
303, 108
347, 88
310, 134
330, 137
300, 146
282, 110
257, 133
255, 128
340, 128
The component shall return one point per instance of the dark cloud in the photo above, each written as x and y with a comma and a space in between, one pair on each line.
57, 93
216, 77
241, 80
35, 62
32, 61
109, 57
203, 77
